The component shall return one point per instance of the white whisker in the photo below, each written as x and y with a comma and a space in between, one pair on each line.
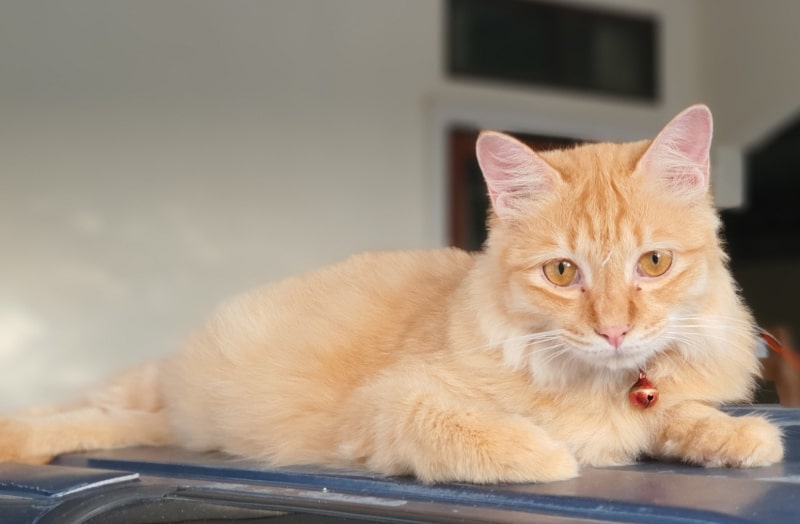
528, 338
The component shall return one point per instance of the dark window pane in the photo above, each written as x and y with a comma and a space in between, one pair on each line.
542, 43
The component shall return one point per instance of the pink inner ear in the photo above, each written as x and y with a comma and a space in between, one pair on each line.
679, 155
512, 171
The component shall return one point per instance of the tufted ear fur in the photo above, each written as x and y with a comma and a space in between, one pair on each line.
514, 174
679, 156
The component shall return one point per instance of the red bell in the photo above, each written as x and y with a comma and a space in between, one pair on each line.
643, 394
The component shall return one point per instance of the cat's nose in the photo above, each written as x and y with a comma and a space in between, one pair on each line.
614, 334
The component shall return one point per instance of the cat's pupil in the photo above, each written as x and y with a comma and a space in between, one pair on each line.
562, 267
655, 258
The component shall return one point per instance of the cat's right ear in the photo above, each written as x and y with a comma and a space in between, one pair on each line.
514, 174
678, 157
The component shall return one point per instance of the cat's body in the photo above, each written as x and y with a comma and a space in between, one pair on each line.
513, 364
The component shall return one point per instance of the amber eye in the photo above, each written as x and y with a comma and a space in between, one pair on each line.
655, 263
561, 272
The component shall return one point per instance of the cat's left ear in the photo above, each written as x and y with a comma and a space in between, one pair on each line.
679, 156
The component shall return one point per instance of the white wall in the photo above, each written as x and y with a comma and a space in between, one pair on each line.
158, 156
750, 66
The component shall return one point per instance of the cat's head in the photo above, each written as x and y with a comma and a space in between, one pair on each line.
605, 252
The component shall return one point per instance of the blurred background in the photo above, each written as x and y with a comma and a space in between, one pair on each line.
158, 156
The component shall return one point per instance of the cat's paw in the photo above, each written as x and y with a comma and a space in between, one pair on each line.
753, 442
535, 461
514, 451
734, 442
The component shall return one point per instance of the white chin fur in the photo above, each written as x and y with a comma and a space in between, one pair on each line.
585, 366
624, 358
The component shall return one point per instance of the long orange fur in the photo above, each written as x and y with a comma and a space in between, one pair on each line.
471, 367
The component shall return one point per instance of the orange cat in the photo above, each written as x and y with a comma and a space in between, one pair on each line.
513, 364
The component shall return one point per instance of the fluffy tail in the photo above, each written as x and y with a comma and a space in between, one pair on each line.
127, 411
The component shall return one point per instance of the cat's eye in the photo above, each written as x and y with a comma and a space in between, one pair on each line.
655, 263
561, 272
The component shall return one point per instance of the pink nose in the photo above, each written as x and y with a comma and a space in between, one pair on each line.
614, 334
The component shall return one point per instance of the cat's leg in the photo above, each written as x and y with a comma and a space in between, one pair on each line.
37, 439
399, 426
699, 434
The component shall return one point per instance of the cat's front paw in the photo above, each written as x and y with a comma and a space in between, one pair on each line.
730, 442
753, 442
529, 462
514, 451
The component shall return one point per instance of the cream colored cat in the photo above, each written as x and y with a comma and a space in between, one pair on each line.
513, 364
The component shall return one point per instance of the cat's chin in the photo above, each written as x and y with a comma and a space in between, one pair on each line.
625, 359
582, 367
591, 363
